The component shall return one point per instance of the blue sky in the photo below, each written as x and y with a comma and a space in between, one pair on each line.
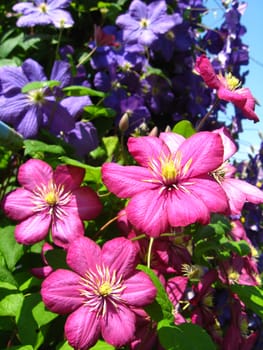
252, 19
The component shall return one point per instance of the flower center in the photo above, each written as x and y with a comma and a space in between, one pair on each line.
144, 23
51, 197
232, 82
101, 288
43, 7
168, 170
36, 96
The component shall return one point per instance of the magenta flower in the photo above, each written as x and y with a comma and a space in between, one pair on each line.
227, 88
100, 293
238, 191
172, 186
50, 199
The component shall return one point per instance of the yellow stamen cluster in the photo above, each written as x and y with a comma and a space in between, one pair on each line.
144, 23
43, 7
36, 96
232, 82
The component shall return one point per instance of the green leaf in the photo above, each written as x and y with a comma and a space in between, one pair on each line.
34, 146
93, 174
23, 347
252, 296
82, 91
35, 85
7, 277
64, 346
41, 315
102, 345
98, 111
111, 144
10, 303
162, 307
9, 248
56, 258
184, 128
9, 44
185, 336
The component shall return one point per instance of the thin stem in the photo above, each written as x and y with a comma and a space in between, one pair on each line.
59, 41
87, 57
149, 254
204, 119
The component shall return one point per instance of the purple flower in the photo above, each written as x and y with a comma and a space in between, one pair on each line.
28, 112
100, 293
84, 138
44, 12
50, 199
143, 23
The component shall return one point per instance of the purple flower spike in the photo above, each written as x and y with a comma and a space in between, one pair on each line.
143, 23
44, 12
100, 293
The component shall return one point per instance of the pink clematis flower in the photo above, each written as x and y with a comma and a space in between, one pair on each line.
238, 191
100, 293
50, 199
172, 186
227, 88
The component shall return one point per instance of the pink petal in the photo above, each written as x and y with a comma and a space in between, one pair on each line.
87, 202
18, 205
60, 291
70, 176
145, 148
172, 140
231, 96
83, 254
238, 192
204, 67
185, 208
82, 328
120, 255
230, 147
211, 193
118, 326
205, 150
126, 181
139, 290
147, 211
33, 173
33, 229
176, 287
67, 228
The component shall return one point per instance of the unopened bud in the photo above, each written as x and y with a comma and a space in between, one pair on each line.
154, 131
168, 129
124, 122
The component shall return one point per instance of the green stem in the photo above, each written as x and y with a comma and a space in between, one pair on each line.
87, 57
149, 255
59, 41
204, 119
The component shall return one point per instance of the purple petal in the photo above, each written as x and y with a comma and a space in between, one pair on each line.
87, 203
83, 255
33, 173
61, 19
139, 290
118, 326
75, 104
33, 70
18, 204
61, 71
126, 181
59, 3
12, 79
35, 17
22, 7
34, 229
59, 119
12, 108
30, 123
82, 328
120, 255
147, 211
60, 291
67, 228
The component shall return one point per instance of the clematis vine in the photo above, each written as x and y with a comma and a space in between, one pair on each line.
100, 293
44, 12
238, 191
50, 200
227, 88
171, 187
